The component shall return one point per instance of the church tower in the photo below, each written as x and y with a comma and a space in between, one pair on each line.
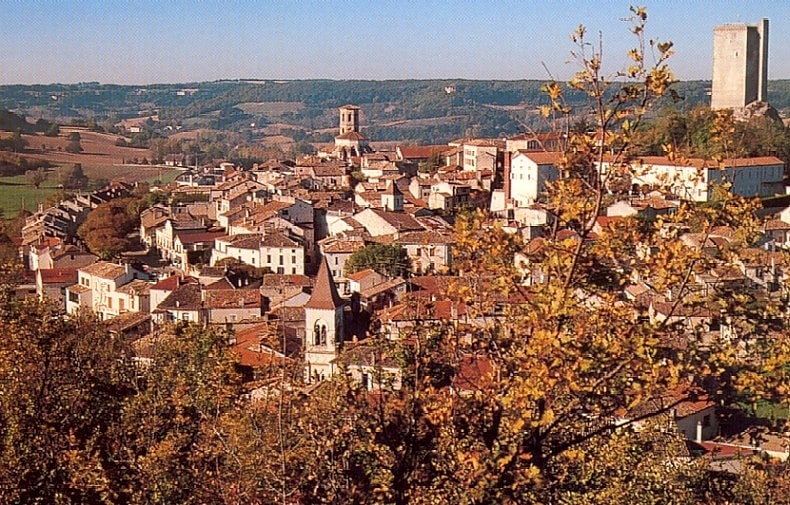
323, 327
349, 119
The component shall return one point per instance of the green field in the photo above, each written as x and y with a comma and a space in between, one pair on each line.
16, 192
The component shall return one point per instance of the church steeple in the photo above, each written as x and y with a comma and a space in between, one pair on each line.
324, 331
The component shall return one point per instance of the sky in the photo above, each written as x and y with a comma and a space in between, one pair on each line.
178, 41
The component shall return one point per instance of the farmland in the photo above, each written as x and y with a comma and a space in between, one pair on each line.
101, 160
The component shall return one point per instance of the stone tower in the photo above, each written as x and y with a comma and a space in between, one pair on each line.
323, 327
740, 65
349, 119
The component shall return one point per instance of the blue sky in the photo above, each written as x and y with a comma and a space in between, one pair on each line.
145, 41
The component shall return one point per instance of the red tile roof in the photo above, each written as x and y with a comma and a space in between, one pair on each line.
58, 275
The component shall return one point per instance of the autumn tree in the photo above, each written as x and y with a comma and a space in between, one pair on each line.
107, 228
558, 414
62, 384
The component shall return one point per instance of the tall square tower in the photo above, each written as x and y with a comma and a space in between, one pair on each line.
740, 65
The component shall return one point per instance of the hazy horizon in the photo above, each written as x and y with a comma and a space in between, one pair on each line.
174, 42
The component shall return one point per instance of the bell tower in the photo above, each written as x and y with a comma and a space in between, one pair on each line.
349, 119
324, 330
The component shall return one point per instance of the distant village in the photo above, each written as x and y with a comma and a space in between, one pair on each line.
294, 224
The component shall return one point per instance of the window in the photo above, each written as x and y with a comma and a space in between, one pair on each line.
319, 333
293, 259
282, 260
74, 297
268, 258
185, 316
706, 421
109, 303
365, 380
121, 304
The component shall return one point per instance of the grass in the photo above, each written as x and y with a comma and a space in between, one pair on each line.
16, 192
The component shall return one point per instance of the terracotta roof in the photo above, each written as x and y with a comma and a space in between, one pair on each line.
392, 190
185, 297
232, 298
474, 372
325, 295
356, 276
58, 275
127, 321
776, 224
105, 270
542, 157
278, 280
47, 242
328, 170
278, 239
78, 288
703, 163
421, 152
342, 244
172, 282
136, 286
196, 237
425, 238
399, 220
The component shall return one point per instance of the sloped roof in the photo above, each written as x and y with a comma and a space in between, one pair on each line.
58, 275
325, 295
105, 270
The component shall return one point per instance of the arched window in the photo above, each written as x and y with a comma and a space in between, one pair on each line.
319, 333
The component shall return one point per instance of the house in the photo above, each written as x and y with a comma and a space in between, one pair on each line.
371, 366
372, 291
528, 175
273, 250
224, 303
337, 249
694, 178
193, 246
159, 291
184, 303
429, 251
378, 222
536, 141
690, 411
51, 284
483, 154
97, 289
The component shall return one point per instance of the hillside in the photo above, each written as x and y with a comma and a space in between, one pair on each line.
424, 111
427, 111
